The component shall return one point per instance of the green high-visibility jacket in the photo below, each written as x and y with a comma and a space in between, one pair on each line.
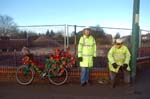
87, 50
119, 56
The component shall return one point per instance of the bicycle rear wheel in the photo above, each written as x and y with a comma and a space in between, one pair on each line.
25, 74
59, 77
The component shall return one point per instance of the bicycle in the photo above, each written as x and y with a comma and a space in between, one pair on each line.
56, 73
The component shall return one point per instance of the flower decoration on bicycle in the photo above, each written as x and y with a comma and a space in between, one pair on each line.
26, 60
60, 60
54, 68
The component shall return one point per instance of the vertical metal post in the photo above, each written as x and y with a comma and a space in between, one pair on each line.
65, 37
135, 37
75, 38
27, 35
15, 58
68, 36
75, 43
139, 46
140, 37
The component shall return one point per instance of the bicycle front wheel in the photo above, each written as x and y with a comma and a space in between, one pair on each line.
25, 75
59, 77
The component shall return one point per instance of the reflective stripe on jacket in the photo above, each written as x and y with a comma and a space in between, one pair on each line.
87, 50
119, 56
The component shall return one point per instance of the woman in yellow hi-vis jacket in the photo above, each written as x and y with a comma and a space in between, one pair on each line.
119, 58
86, 54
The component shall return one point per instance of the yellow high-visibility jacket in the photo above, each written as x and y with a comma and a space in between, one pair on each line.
87, 50
119, 56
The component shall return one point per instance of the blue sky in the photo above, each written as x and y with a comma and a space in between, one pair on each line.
106, 13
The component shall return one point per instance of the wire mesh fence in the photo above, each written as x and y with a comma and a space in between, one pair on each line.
43, 39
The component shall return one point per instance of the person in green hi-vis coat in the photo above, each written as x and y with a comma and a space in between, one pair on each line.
86, 54
119, 59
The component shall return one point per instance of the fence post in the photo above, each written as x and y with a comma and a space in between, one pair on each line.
67, 36
75, 42
15, 58
75, 38
65, 39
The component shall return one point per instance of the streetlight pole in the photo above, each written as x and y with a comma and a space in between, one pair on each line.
135, 37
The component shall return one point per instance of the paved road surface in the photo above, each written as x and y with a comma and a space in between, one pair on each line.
141, 90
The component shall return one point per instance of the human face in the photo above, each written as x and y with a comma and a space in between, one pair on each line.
87, 33
118, 45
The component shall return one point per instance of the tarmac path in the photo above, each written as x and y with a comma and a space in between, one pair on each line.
140, 90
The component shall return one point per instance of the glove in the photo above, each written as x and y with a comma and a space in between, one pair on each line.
94, 58
80, 59
125, 66
115, 65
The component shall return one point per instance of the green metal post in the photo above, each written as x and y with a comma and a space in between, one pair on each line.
135, 38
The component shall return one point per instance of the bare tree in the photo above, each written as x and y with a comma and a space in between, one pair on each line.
7, 26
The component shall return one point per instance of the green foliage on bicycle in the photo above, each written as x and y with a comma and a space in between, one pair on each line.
26, 70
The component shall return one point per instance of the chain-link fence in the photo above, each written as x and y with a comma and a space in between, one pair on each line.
42, 39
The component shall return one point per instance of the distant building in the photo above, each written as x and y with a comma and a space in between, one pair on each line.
7, 44
45, 41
